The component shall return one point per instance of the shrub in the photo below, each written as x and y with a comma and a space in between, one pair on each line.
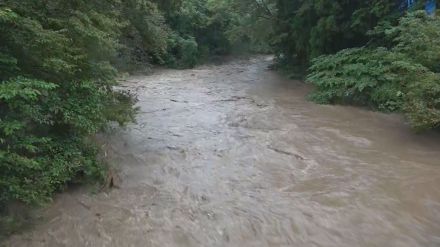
400, 79
43, 136
422, 106
361, 76
418, 36
56, 90
183, 53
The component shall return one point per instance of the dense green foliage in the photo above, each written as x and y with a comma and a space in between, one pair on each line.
55, 91
205, 28
144, 34
59, 61
403, 77
58, 66
305, 29
363, 53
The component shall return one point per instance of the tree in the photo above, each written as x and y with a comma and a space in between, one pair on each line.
305, 29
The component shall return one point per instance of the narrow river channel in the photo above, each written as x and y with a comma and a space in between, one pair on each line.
235, 155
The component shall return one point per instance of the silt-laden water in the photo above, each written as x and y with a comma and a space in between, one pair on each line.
234, 155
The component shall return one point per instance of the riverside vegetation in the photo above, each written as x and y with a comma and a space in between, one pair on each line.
59, 63
369, 53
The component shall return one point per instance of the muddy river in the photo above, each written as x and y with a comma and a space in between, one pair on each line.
234, 155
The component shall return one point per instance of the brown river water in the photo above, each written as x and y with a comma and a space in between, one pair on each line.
234, 155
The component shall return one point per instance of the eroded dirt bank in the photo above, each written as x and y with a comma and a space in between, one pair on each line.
233, 155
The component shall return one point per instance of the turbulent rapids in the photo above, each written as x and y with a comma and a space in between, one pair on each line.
234, 155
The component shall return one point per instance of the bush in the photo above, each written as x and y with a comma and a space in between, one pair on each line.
400, 79
56, 90
361, 76
43, 136
183, 53
422, 106
418, 36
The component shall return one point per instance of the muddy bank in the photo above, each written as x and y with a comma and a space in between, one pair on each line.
233, 155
